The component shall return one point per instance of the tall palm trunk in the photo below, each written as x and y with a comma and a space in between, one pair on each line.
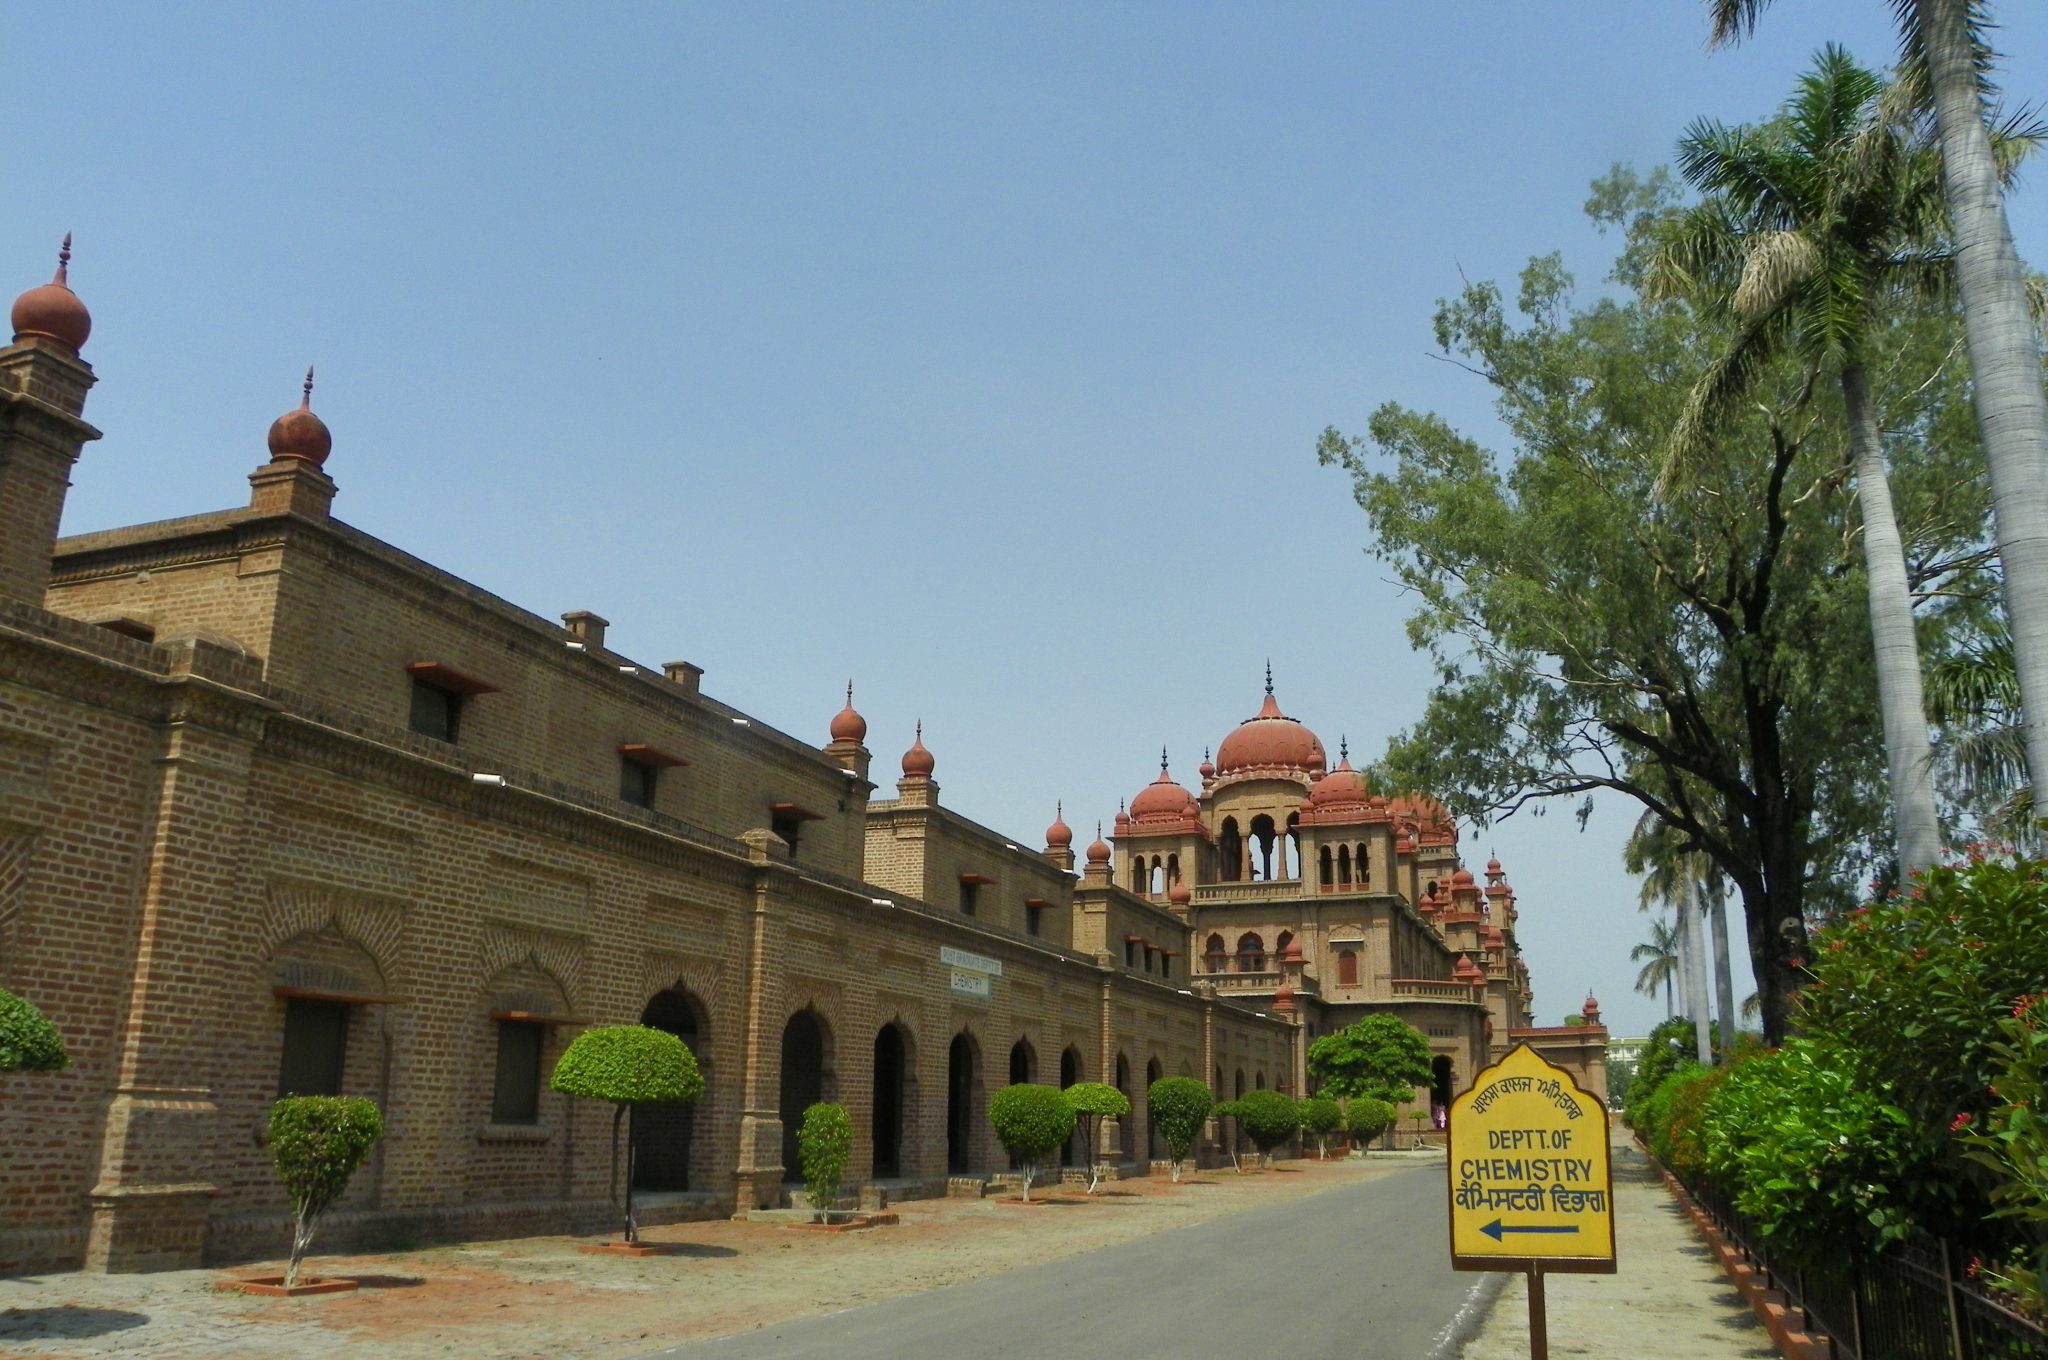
1724, 980
1690, 957
2005, 364
1910, 756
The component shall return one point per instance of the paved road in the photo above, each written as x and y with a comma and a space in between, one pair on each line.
1359, 1271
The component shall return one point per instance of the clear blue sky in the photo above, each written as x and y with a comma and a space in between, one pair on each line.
975, 352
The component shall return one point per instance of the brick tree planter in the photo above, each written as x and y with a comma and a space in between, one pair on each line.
274, 1286
630, 1248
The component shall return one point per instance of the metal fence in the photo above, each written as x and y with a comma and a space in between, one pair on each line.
1909, 1304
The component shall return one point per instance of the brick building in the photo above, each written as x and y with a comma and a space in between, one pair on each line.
286, 809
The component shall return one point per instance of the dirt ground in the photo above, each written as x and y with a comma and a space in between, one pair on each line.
541, 1297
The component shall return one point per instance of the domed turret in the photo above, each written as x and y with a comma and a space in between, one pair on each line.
1059, 836
1180, 894
1162, 800
918, 763
847, 725
53, 311
1469, 972
1283, 997
1342, 789
1098, 849
300, 434
1270, 740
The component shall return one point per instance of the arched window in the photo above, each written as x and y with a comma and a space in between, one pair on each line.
1172, 870
1213, 953
1343, 865
1292, 868
1263, 839
1251, 953
1347, 968
1327, 879
1138, 874
1358, 864
1280, 947
1155, 882
1230, 849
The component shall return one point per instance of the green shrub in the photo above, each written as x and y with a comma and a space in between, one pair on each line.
627, 1065
1268, 1118
1367, 1117
28, 1042
1093, 1102
317, 1142
2012, 1144
1031, 1121
1320, 1117
823, 1143
1179, 1105
1381, 1055
1670, 1044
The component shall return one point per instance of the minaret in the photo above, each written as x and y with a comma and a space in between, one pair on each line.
43, 383
849, 732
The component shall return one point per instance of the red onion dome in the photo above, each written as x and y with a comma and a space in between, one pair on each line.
1162, 799
1292, 954
918, 763
300, 434
1270, 740
1207, 769
848, 725
1468, 972
1059, 836
1342, 787
1591, 1010
1492, 867
1180, 894
53, 311
1098, 849
1283, 997
1463, 879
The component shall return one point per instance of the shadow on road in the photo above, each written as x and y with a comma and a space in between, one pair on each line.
66, 1321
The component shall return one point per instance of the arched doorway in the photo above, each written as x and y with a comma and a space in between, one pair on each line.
892, 1069
963, 1085
1074, 1152
805, 1067
1441, 1090
1023, 1062
664, 1136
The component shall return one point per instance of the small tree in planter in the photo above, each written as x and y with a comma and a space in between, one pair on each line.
1268, 1118
1031, 1121
317, 1142
823, 1143
1366, 1118
28, 1041
1416, 1117
1179, 1105
627, 1065
1321, 1117
1093, 1102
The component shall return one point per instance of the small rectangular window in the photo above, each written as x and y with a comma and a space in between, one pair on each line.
515, 1098
315, 1045
435, 711
1130, 953
789, 826
637, 782
1032, 924
968, 893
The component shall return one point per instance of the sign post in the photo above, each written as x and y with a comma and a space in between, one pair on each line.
1530, 1183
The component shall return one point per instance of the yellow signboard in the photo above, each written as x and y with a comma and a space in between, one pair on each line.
1530, 1182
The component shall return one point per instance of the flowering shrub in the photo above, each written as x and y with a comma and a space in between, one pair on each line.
2012, 1143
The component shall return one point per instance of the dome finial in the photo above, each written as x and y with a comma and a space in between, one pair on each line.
1162, 760
64, 262
849, 693
306, 393
1343, 748
1269, 677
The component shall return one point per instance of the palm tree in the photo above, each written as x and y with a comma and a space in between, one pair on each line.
1687, 881
1976, 694
1812, 222
1946, 59
1662, 952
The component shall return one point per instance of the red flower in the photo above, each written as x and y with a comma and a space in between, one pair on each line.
1962, 1121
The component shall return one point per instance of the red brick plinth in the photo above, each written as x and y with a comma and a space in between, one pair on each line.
854, 1224
630, 1248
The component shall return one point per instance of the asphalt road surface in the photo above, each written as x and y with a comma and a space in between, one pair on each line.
1354, 1273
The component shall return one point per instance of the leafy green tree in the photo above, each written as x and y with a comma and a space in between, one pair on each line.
1367, 1117
1268, 1118
1945, 68
823, 1143
1707, 656
1321, 1116
1031, 1121
1093, 1102
627, 1065
316, 1143
1381, 1055
28, 1041
1179, 1105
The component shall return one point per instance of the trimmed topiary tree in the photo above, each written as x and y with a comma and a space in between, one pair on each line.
1381, 1055
28, 1041
1031, 1121
1268, 1118
317, 1142
1366, 1118
1093, 1102
823, 1143
628, 1065
1320, 1117
1179, 1105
